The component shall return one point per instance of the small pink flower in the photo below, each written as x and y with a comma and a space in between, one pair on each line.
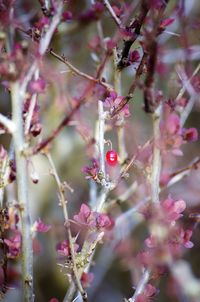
173, 124
63, 248
149, 292
113, 100
93, 219
134, 56
151, 241
14, 245
86, 279
110, 44
190, 135
40, 226
166, 22
37, 86
91, 171
67, 15
83, 215
172, 209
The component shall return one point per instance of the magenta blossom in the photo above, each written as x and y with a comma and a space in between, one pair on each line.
148, 294
190, 135
37, 86
93, 219
63, 248
86, 279
172, 209
14, 245
92, 170
40, 226
113, 100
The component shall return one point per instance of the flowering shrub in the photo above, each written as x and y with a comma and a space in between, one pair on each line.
98, 152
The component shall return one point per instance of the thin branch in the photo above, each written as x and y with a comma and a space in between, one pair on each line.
135, 27
126, 100
32, 105
7, 123
22, 193
44, 42
44, 143
101, 136
141, 285
120, 131
78, 72
66, 217
156, 161
112, 13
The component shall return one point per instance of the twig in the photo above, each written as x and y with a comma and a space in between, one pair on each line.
156, 161
141, 285
120, 131
78, 72
7, 123
22, 193
31, 108
66, 217
126, 100
134, 27
44, 43
101, 136
63, 123
111, 12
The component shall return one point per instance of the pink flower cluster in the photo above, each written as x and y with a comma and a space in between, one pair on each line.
148, 294
173, 135
92, 219
167, 239
63, 248
13, 245
113, 100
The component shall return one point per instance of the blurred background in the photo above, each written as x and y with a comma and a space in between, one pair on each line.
114, 267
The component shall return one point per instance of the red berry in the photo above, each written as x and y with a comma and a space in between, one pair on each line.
111, 157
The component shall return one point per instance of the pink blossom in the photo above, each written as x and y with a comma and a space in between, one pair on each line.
172, 124
113, 100
93, 170
180, 238
63, 248
172, 209
83, 215
93, 219
86, 279
14, 245
37, 86
95, 44
147, 295
151, 241
134, 56
40, 226
166, 22
110, 44
53, 300
67, 15
190, 135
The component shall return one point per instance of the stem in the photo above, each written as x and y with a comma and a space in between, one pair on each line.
141, 285
120, 133
44, 43
78, 72
112, 13
7, 123
101, 136
22, 193
156, 162
31, 107
70, 238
